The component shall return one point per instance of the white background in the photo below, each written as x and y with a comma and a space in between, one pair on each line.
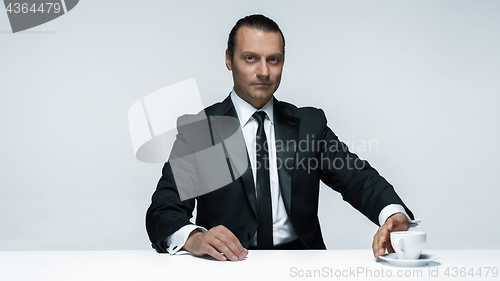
421, 79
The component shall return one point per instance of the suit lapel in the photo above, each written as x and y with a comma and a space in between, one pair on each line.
286, 132
227, 130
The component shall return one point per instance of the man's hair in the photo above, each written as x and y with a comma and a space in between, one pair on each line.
257, 22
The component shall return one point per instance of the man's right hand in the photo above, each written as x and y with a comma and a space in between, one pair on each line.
215, 242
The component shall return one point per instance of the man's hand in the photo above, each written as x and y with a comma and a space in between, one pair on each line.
382, 239
215, 242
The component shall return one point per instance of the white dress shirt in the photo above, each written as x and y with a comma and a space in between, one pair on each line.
282, 228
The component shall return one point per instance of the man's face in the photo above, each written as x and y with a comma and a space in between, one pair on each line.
256, 65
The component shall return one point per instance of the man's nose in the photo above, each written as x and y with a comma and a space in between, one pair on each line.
263, 69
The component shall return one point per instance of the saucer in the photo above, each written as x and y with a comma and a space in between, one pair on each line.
424, 259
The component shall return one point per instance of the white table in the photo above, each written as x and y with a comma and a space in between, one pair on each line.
259, 265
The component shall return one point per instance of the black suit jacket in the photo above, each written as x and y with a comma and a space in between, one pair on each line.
234, 205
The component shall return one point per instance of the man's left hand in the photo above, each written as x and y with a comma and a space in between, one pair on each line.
382, 239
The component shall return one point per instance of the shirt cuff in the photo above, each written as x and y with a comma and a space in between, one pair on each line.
391, 209
177, 240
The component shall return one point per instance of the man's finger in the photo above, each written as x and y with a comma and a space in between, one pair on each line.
392, 222
382, 240
215, 254
384, 233
230, 245
389, 248
222, 248
378, 241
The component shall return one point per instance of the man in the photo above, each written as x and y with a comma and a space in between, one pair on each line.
274, 204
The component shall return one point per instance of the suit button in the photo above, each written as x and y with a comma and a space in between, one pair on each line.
249, 236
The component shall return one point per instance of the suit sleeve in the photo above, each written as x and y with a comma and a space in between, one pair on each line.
359, 183
167, 213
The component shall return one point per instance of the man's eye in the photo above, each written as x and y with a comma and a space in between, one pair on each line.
250, 57
274, 60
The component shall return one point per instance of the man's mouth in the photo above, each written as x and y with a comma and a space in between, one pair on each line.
262, 84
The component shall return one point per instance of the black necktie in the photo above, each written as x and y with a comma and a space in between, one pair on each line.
264, 210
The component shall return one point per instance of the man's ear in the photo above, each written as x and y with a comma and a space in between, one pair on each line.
228, 60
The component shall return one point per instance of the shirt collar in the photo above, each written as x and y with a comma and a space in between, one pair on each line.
246, 110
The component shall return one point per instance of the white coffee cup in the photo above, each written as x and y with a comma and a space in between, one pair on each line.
408, 244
